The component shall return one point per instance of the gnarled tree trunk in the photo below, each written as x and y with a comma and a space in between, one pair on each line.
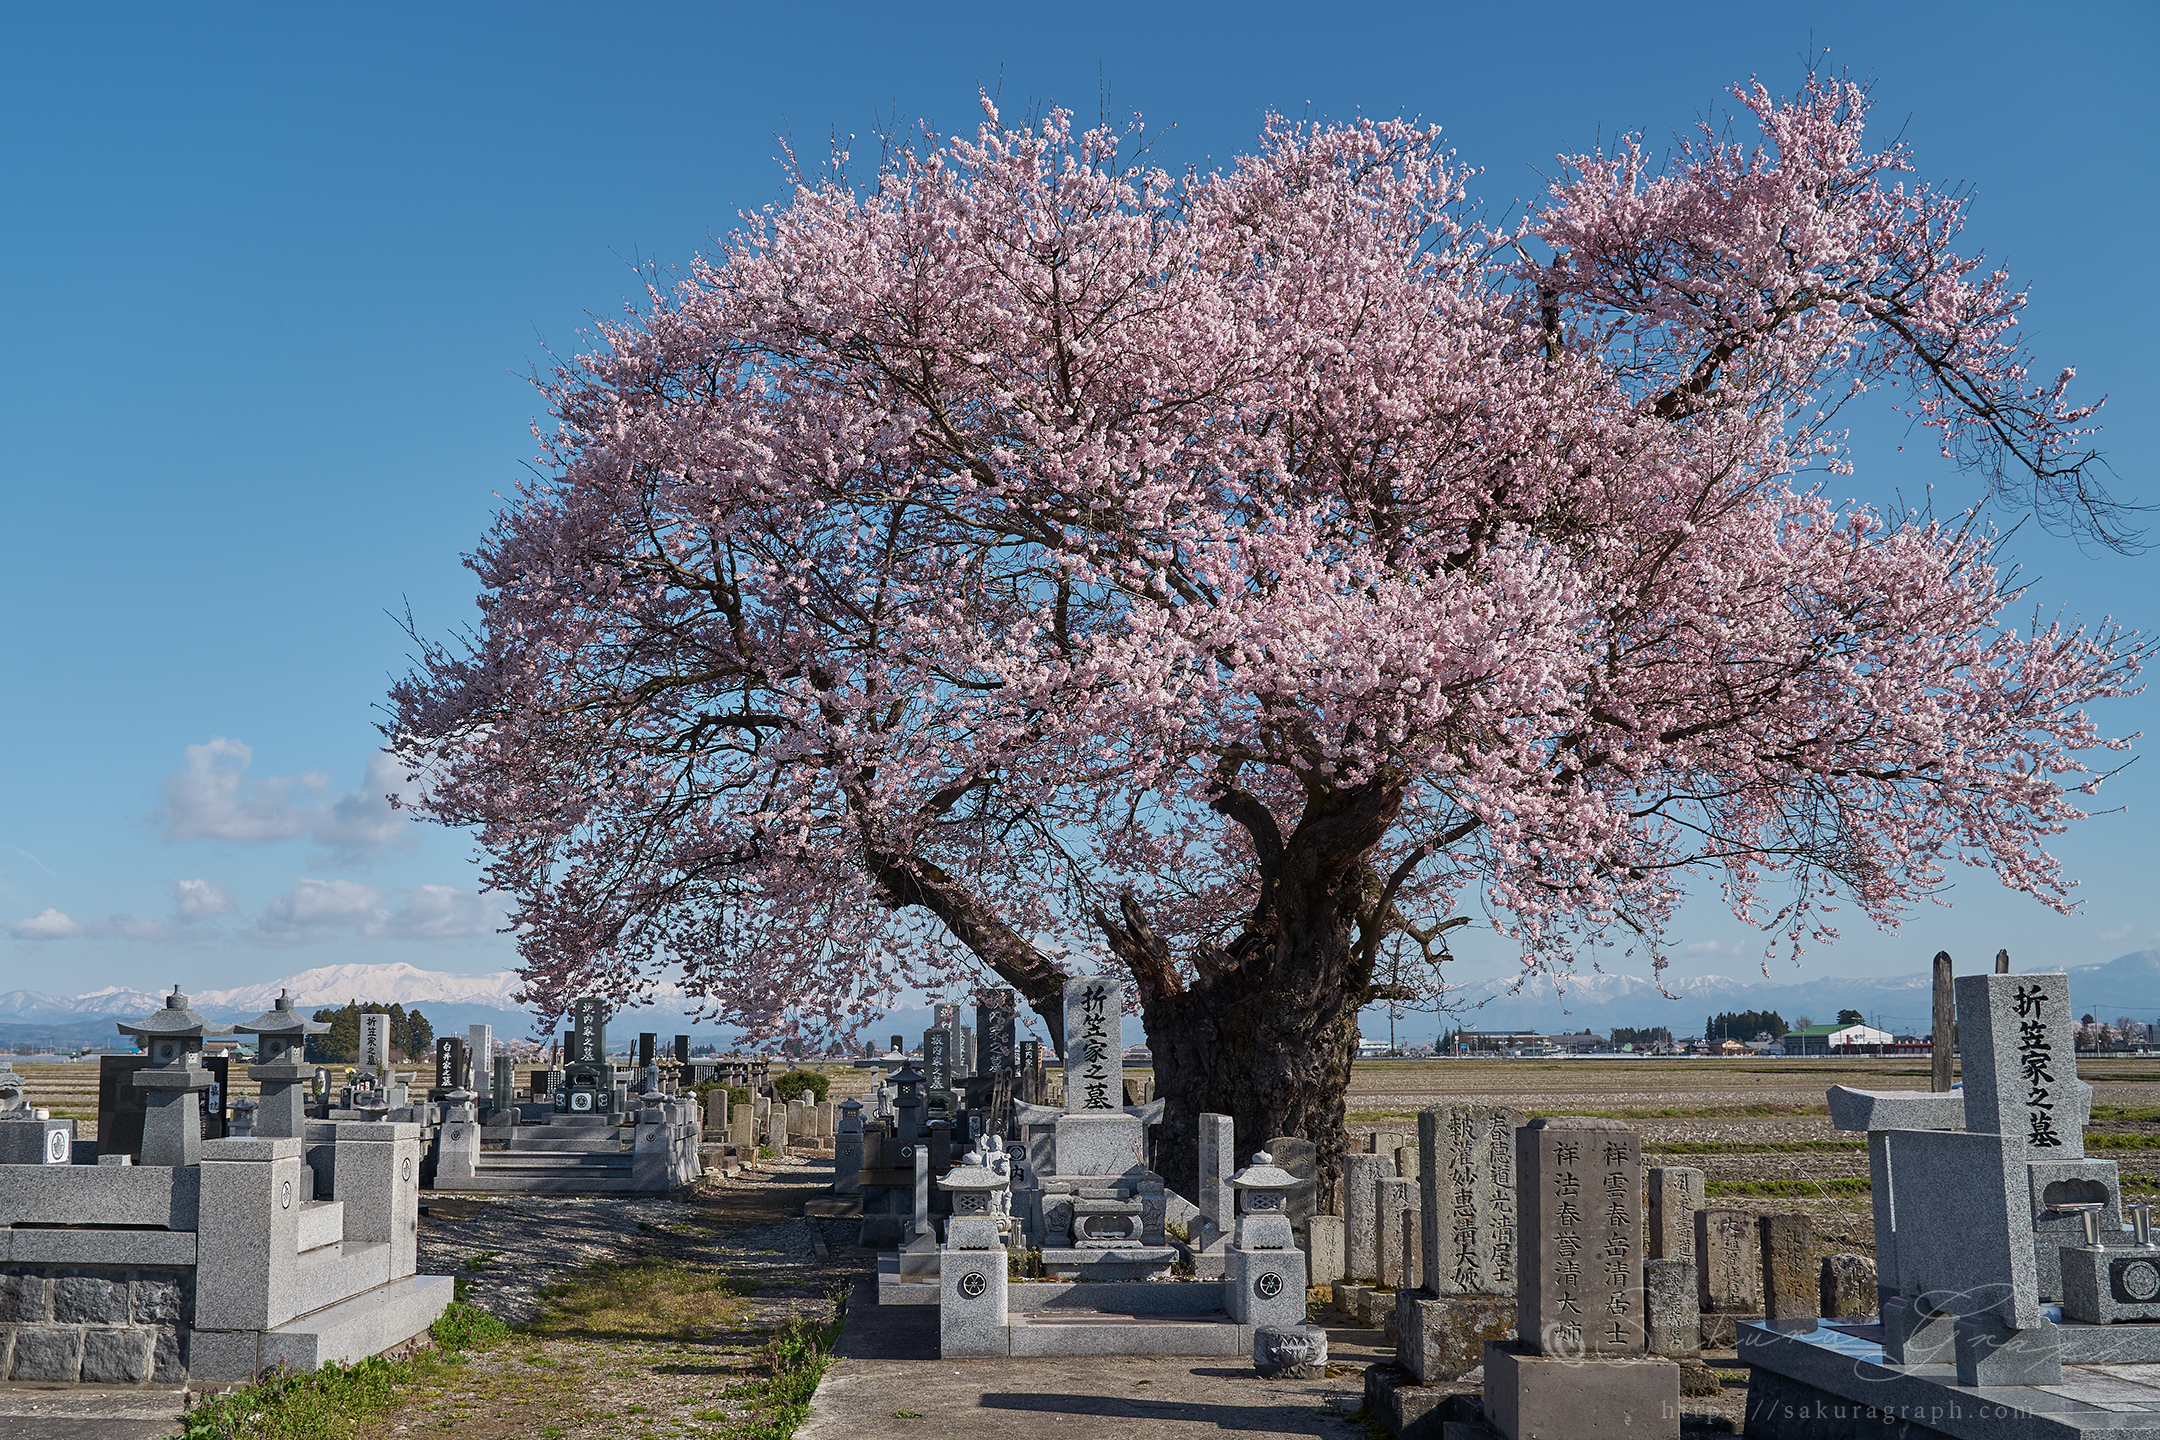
1266, 1030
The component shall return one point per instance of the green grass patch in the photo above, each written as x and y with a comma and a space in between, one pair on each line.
2122, 1142
794, 1360
2128, 1114
1801, 1189
330, 1403
645, 1299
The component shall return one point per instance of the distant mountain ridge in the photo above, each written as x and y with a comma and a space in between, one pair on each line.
2127, 985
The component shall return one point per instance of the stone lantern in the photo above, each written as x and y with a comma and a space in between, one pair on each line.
1263, 1270
173, 1078
978, 1204
908, 1102
281, 1066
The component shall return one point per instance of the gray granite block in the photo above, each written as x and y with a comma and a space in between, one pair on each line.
1963, 1237
2109, 1286
1672, 1309
1362, 1175
1264, 1287
1393, 1198
1413, 1250
1094, 1065
168, 1357
1324, 1248
1847, 1287
1916, 1336
100, 1247
2020, 1062
972, 1304
1529, 1395
1444, 1339
1728, 1270
46, 1353
1579, 1179
1109, 1145
1676, 1193
1792, 1282
90, 1299
25, 1299
251, 1216
224, 1357
117, 1355
158, 1301
1895, 1109
1989, 1352
144, 1195
1218, 1162
1467, 1199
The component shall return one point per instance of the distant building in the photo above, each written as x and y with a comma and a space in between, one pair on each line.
1837, 1039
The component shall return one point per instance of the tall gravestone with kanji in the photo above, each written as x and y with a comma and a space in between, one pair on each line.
588, 1083
1580, 1365
1466, 1177
1094, 1054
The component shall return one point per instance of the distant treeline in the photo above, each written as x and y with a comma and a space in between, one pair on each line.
410, 1034
1744, 1025
1641, 1038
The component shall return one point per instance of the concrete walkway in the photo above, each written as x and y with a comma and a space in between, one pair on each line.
89, 1412
888, 1384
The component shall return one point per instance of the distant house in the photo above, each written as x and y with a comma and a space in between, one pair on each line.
1580, 1043
1835, 1039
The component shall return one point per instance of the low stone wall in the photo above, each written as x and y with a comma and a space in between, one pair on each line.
95, 1324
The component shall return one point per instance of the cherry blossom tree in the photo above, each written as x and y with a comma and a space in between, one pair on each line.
1031, 560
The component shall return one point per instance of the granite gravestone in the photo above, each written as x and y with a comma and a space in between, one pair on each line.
1579, 1180
1676, 1193
995, 1025
1094, 1060
451, 1071
937, 1068
1362, 1175
375, 1045
1467, 1199
1031, 1071
1581, 1366
480, 1057
1792, 1289
1301, 1157
1728, 1272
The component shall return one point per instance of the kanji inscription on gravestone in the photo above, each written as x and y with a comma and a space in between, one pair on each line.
937, 1061
1094, 1026
1579, 1189
1466, 1183
450, 1071
588, 1032
994, 1030
375, 1044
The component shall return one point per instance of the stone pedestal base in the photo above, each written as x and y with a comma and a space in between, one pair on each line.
1991, 1353
1911, 1336
1445, 1339
1410, 1411
1543, 1397
971, 1304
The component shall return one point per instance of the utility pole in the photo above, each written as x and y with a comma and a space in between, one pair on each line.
1945, 1023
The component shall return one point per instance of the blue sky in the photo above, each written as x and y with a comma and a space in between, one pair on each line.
271, 279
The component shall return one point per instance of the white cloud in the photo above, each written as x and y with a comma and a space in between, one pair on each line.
1711, 947
201, 899
51, 924
212, 797
313, 910
437, 912
47, 924
2120, 932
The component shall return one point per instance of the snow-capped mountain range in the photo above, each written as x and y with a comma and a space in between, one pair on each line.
2126, 985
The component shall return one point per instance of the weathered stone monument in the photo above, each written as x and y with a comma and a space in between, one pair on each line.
1467, 1221
1581, 1367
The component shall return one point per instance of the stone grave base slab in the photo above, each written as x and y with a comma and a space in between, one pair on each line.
350, 1330
1084, 1333
1445, 1338
1544, 1397
900, 1287
1833, 1382
1150, 1262
1410, 1411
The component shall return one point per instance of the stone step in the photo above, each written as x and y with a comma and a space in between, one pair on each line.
1087, 1333
321, 1222
352, 1329
519, 1161
545, 1144
565, 1182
